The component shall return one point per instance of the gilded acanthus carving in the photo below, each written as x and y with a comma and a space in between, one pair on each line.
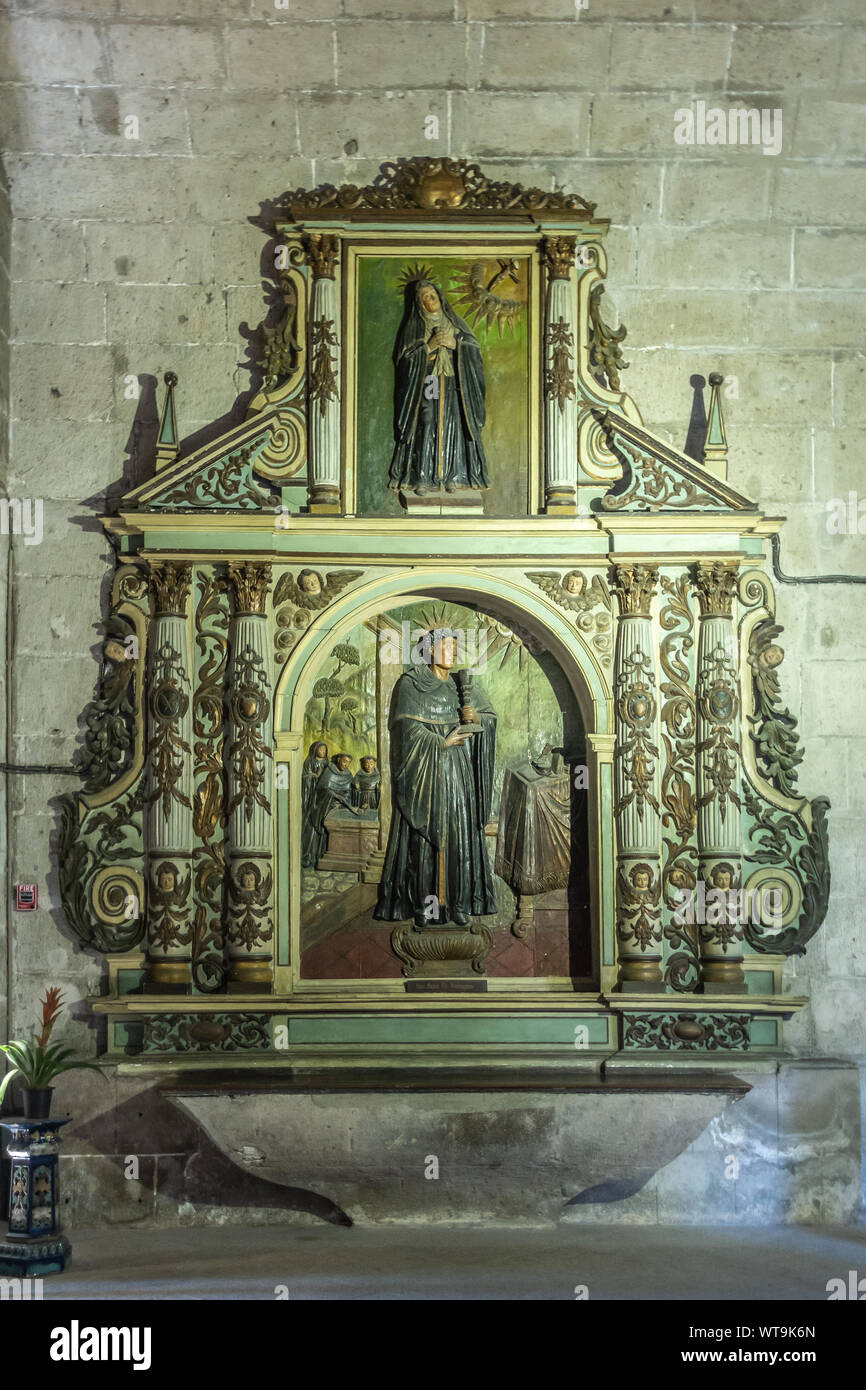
281, 346
774, 728
719, 705
249, 709
679, 807
431, 184
323, 252
170, 582
635, 587
687, 1032
716, 588
637, 752
227, 482
209, 816
324, 384
250, 582
647, 485
558, 253
559, 374
207, 1033
168, 703
110, 718
781, 838
108, 838
605, 353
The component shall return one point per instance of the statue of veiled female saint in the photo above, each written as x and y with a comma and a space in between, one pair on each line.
436, 868
439, 397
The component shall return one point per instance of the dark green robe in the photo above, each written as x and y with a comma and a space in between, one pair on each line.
437, 437
366, 790
437, 852
333, 788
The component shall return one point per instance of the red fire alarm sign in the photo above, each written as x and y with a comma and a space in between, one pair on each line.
26, 897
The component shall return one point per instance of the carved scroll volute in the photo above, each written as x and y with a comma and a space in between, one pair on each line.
324, 373
559, 377
250, 761
100, 845
638, 874
168, 794
718, 779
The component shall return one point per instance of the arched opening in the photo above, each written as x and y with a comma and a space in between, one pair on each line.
338, 692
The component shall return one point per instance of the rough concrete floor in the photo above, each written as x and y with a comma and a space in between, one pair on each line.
452, 1262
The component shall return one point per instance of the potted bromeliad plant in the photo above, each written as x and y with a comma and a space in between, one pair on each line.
36, 1061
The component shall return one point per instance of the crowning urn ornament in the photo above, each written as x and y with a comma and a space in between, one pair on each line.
370, 766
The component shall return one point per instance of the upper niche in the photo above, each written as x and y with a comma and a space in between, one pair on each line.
442, 351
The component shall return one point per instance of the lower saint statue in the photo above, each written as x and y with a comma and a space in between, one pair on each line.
436, 868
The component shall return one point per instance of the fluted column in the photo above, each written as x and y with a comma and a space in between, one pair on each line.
559, 378
168, 794
323, 250
638, 870
250, 760
718, 781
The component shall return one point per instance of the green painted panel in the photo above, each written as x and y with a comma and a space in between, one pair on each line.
759, 981
129, 981
514, 1028
397, 538
764, 1032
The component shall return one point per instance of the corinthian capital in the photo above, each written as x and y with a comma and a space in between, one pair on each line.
250, 581
170, 583
635, 587
716, 585
558, 254
323, 252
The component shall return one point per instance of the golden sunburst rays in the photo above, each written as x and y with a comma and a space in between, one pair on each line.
476, 291
483, 640
501, 638
411, 274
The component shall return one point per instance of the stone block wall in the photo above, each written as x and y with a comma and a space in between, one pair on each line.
141, 138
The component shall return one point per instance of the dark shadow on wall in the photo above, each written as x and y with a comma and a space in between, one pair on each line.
251, 361
189, 1166
140, 449
697, 431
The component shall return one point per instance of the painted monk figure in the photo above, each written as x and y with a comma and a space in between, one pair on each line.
439, 397
436, 867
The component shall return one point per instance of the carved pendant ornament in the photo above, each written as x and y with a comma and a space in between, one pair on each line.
440, 673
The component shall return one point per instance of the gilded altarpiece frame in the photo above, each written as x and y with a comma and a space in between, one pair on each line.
633, 577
